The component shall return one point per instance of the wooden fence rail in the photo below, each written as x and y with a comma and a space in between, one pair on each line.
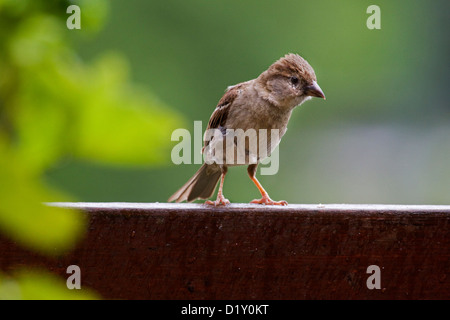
191, 251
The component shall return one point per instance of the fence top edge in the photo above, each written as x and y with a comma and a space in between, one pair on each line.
192, 207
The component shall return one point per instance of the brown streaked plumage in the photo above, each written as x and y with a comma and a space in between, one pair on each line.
262, 103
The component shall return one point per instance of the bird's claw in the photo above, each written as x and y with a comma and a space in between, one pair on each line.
265, 200
221, 201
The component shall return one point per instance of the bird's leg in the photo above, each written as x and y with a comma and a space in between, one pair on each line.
265, 196
221, 200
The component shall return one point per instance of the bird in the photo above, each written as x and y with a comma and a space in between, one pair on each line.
265, 102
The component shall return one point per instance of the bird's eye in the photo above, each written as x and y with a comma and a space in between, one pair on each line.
294, 80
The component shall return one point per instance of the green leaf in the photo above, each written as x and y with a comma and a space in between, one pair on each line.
40, 285
23, 216
119, 123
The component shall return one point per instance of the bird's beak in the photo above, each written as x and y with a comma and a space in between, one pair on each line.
314, 90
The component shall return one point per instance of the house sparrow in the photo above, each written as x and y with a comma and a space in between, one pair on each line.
262, 103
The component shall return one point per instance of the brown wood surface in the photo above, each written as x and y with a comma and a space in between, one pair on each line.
191, 251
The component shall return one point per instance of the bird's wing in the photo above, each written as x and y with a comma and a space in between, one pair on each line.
220, 114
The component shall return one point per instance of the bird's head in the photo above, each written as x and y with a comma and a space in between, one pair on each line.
289, 82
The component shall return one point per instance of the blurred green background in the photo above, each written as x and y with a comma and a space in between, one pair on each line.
382, 135
87, 115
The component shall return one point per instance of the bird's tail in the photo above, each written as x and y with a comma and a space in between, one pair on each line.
200, 186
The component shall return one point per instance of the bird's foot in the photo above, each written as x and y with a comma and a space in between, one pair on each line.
269, 202
221, 201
